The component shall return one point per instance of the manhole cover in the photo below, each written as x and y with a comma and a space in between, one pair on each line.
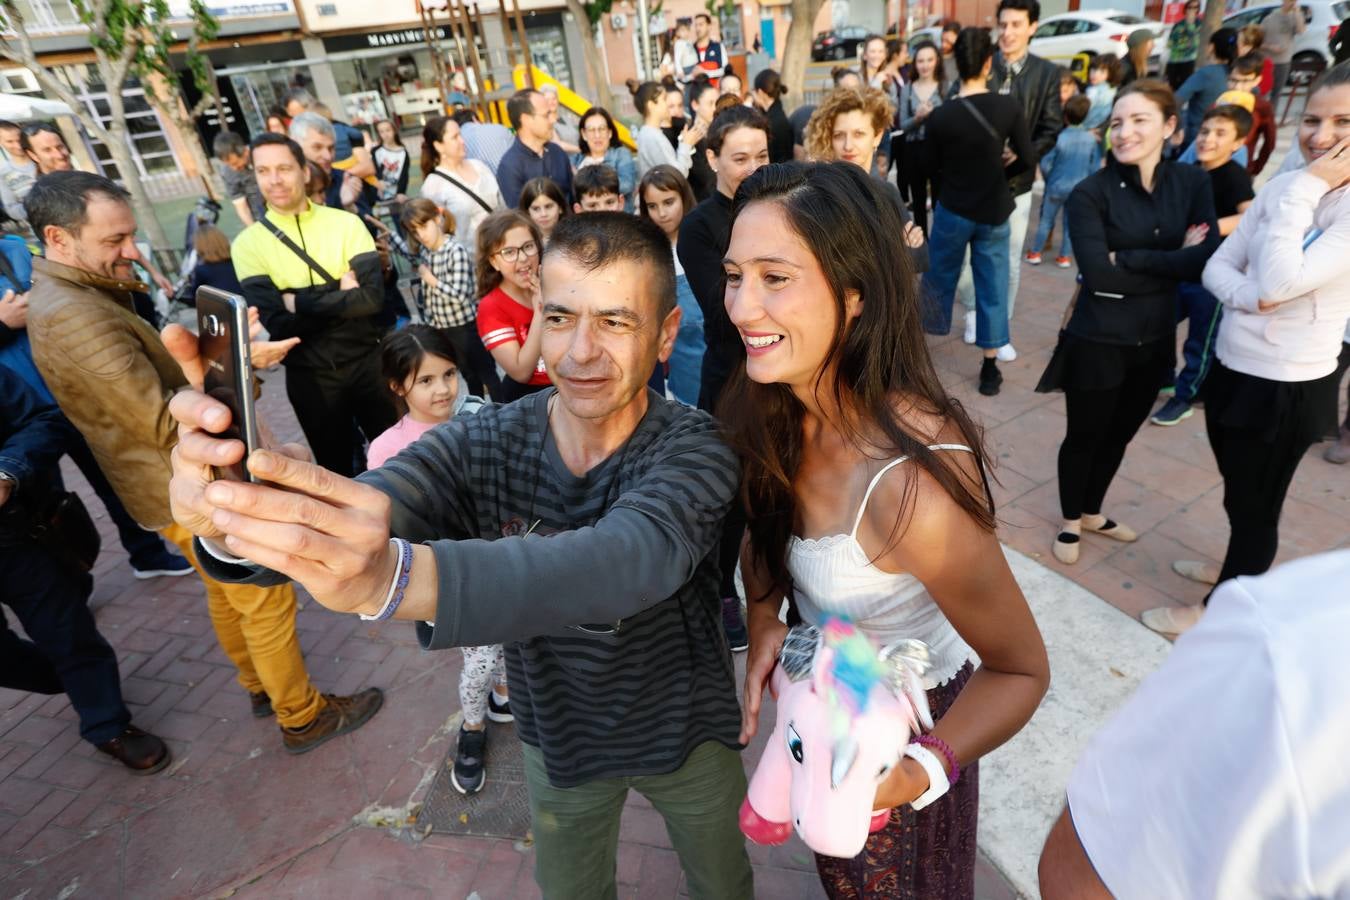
500, 809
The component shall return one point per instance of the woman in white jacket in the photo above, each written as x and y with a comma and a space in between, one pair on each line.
1284, 280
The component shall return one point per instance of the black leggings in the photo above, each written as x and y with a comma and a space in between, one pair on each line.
475, 363
1257, 468
912, 180
1343, 364
1101, 424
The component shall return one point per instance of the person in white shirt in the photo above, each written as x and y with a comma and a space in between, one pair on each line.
653, 147
1224, 776
463, 187
1283, 278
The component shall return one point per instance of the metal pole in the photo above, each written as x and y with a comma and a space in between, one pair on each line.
480, 105
524, 46
644, 40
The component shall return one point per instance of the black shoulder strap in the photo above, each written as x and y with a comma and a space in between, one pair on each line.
7, 270
979, 117
463, 187
298, 251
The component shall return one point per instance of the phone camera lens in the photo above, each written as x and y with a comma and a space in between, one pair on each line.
212, 326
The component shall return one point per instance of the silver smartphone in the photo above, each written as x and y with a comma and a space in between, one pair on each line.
222, 340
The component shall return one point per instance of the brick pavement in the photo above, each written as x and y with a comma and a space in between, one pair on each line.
236, 814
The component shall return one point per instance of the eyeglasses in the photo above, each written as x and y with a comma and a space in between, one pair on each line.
511, 254
596, 129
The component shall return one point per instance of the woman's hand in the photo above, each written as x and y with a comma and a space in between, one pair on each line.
694, 133
913, 235
766, 642
1333, 167
1195, 235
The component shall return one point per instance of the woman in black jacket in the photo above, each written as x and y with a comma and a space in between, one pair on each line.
1140, 226
768, 94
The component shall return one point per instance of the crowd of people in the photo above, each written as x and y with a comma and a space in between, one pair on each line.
646, 369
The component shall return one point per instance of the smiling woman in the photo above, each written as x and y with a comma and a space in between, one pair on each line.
864, 485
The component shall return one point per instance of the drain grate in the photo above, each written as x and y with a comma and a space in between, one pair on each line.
500, 809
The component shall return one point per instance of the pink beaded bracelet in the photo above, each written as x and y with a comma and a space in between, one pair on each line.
938, 744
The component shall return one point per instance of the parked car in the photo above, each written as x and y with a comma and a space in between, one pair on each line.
1061, 38
840, 43
1311, 53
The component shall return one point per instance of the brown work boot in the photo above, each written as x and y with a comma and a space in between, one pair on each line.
338, 716
139, 751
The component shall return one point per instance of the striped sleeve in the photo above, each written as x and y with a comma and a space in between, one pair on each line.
494, 327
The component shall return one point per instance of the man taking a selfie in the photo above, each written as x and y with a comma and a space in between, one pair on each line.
113, 378
578, 525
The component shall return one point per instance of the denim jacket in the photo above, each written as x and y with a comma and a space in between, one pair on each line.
1077, 155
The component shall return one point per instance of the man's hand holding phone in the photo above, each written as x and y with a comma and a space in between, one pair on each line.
325, 531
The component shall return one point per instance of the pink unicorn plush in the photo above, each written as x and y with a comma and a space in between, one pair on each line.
845, 715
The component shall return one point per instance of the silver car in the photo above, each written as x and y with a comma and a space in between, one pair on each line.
1311, 53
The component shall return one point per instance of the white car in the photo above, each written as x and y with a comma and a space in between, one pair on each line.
1311, 51
1061, 38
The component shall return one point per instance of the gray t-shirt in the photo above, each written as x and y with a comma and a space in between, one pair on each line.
528, 552
244, 184
1281, 31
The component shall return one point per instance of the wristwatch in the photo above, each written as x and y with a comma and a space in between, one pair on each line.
937, 775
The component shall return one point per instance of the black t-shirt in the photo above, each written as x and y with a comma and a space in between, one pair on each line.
1232, 186
800, 116
963, 151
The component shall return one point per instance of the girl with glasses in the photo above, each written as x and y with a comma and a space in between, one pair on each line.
510, 313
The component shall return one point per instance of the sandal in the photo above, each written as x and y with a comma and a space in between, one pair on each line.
1113, 530
1066, 547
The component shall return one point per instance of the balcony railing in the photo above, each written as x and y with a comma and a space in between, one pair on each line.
43, 17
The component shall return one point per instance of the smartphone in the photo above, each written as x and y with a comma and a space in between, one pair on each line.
222, 340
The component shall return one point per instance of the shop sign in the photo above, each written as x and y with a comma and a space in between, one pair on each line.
179, 9
400, 38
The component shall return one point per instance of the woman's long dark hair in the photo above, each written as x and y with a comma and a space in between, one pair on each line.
432, 134
880, 359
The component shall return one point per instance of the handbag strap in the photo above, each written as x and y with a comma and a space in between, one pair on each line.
979, 117
298, 251
463, 187
7, 270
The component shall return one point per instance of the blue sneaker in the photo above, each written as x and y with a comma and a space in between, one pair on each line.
1172, 412
164, 563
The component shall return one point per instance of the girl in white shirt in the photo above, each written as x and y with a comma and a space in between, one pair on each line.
653, 147
1284, 280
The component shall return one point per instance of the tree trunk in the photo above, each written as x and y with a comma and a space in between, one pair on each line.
113, 74
1210, 23
590, 55
797, 46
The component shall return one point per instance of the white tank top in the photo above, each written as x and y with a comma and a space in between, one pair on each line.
833, 576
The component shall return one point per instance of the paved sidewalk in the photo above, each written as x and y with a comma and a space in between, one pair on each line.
237, 815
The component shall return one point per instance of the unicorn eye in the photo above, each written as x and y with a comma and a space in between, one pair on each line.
885, 770
794, 742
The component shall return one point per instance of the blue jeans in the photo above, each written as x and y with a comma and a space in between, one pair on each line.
1204, 311
686, 361
947, 242
1050, 209
64, 651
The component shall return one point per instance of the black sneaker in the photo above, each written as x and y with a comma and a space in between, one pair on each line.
1171, 412
734, 625
468, 774
499, 712
991, 379
163, 563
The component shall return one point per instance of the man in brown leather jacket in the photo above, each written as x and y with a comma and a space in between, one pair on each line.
113, 378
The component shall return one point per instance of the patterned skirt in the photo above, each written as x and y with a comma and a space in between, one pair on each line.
927, 855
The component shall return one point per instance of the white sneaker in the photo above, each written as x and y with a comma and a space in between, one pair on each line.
969, 336
1006, 353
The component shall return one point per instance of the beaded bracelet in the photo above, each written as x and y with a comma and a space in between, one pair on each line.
938, 744
396, 590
